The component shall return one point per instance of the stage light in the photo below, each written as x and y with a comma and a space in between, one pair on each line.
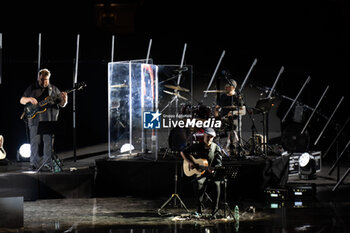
307, 166
304, 159
126, 147
23, 153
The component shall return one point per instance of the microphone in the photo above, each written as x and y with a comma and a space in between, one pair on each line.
226, 73
183, 69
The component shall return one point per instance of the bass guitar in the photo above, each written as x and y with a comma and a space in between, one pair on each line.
31, 110
201, 165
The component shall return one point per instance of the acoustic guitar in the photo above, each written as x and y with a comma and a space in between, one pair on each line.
31, 110
201, 165
2, 150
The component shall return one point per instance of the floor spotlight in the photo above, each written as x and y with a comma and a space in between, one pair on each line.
126, 147
23, 154
307, 166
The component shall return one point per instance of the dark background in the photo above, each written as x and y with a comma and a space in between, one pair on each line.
306, 37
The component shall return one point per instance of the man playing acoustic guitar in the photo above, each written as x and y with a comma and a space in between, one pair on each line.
202, 159
35, 93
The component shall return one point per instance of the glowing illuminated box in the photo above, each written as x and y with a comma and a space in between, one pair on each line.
276, 193
301, 191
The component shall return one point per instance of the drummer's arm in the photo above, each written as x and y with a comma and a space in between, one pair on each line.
217, 110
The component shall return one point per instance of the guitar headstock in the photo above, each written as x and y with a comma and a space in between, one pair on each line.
79, 86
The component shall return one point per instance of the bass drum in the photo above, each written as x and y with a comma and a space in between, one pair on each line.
291, 139
179, 138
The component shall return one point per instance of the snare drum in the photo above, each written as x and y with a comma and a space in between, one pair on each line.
229, 123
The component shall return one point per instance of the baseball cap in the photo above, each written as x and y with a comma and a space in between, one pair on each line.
210, 131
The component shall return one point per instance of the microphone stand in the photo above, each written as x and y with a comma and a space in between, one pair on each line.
240, 149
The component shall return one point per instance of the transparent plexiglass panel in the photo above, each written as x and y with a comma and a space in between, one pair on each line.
132, 91
136, 91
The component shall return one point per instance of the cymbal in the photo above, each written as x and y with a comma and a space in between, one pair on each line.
119, 85
176, 94
177, 88
214, 91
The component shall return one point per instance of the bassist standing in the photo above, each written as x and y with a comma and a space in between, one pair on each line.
34, 94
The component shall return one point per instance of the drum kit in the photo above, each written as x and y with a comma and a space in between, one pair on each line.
179, 138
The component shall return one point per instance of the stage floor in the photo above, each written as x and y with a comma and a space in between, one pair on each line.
89, 210
128, 214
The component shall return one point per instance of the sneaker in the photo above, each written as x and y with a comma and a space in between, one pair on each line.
197, 215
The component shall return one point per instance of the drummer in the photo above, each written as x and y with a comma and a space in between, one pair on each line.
227, 110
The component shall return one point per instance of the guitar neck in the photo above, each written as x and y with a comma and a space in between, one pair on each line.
76, 87
52, 98
70, 90
47, 100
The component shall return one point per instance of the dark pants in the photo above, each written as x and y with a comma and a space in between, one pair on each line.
35, 141
204, 185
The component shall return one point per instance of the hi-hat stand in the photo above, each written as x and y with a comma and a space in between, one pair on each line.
263, 106
176, 91
253, 147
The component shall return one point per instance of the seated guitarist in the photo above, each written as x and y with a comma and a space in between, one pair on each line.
211, 152
33, 94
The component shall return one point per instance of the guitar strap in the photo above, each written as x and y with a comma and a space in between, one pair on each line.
50, 109
211, 153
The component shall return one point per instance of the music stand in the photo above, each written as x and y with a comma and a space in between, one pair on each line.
263, 106
50, 127
175, 195
223, 173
